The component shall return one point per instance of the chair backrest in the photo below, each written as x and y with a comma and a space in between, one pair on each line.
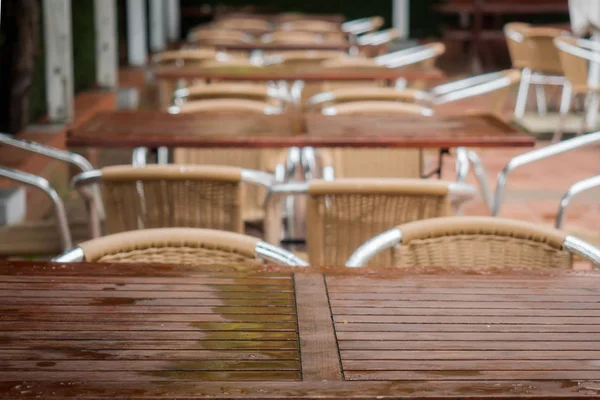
233, 104
371, 107
184, 56
243, 24
210, 35
182, 246
309, 25
342, 214
481, 242
229, 90
514, 33
303, 57
350, 94
293, 37
542, 53
159, 196
574, 67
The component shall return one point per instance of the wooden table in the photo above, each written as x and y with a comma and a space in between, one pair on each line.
157, 128
290, 73
156, 332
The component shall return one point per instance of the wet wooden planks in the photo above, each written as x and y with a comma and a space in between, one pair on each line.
159, 128
126, 331
124, 328
459, 328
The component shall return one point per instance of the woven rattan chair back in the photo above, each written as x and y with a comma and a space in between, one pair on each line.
258, 159
375, 163
228, 90
515, 41
480, 242
159, 196
179, 246
343, 214
575, 68
244, 24
211, 36
542, 53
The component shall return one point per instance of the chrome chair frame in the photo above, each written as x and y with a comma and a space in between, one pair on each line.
359, 26
393, 237
402, 58
459, 192
531, 156
378, 38
61, 155
93, 177
529, 77
588, 50
59, 207
265, 251
576, 189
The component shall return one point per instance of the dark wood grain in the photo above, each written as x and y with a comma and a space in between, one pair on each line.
291, 73
157, 128
99, 331
320, 359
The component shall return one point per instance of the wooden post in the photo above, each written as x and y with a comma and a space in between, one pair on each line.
173, 20
59, 59
157, 24
137, 43
107, 62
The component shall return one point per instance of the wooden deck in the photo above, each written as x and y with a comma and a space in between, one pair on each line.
100, 331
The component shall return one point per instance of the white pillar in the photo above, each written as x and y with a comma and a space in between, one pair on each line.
401, 17
107, 56
59, 59
173, 19
157, 24
137, 43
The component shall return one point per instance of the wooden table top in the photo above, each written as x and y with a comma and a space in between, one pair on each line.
289, 73
99, 331
159, 128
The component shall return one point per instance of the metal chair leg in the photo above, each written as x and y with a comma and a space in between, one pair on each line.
163, 155
523, 93
565, 107
540, 95
481, 175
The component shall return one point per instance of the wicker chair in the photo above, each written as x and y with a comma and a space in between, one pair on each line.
257, 159
158, 196
534, 51
180, 246
244, 24
372, 163
209, 36
474, 242
344, 213
183, 56
576, 56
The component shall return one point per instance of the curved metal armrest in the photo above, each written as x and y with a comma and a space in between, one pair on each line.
275, 254
374, 246
259, 177
460, 192
44, 185
582, 248
573, 191
536, 155
470, 87
62, 155
406, 57
74, 255
585, 49
377, 38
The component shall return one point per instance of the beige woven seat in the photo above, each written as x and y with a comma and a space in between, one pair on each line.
342, 214
576, 55
257, 159
474, 243
179, 247
158, 196
373, 163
